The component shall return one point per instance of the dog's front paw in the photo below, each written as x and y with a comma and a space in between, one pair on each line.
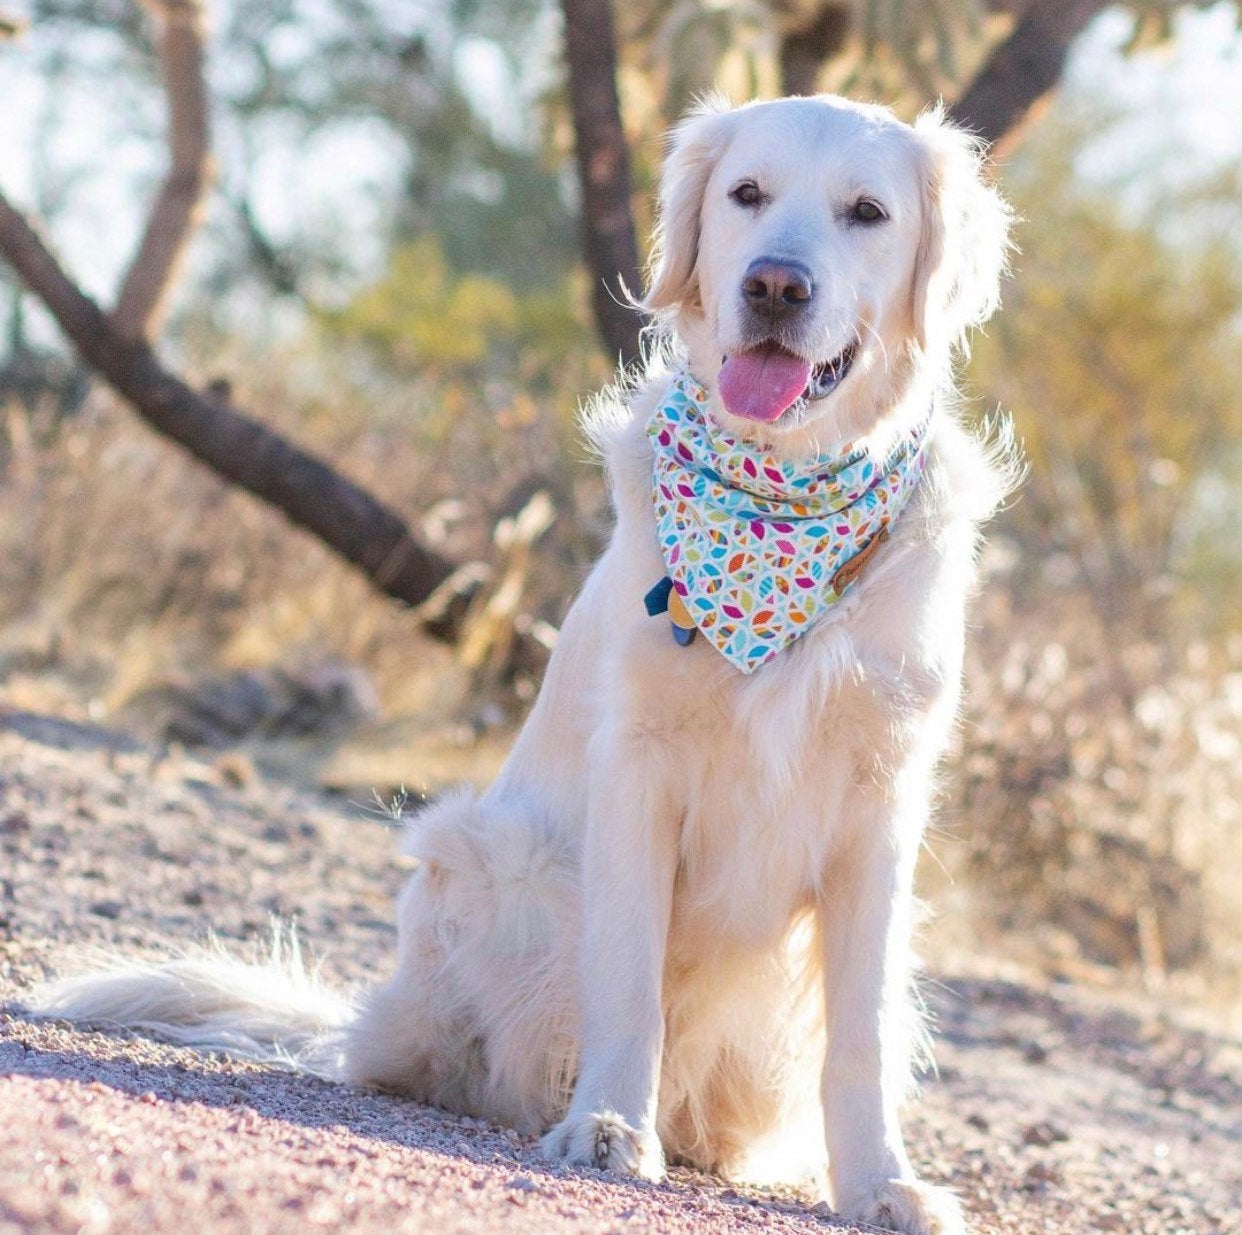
911, 1207
606, 1142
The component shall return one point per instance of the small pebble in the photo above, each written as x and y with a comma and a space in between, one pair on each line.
1044, 1134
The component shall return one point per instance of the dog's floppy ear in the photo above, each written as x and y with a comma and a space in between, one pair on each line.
694, 147
964, 244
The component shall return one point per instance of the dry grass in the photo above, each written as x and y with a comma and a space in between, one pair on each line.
124, 563
1091, 821
1093, 813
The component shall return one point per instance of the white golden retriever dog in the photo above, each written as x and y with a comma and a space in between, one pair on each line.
678, 926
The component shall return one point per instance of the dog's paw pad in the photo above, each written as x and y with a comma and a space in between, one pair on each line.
911, 1208
606, 1142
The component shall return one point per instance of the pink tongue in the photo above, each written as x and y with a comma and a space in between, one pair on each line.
762, 383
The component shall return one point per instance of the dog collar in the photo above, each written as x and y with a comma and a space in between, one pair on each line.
757, 552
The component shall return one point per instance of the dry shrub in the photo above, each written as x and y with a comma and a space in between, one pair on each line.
1092, 816
123, 563
1094, 808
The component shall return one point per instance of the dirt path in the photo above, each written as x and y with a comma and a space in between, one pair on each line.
1054, 1112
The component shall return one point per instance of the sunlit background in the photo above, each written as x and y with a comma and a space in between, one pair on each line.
389, 272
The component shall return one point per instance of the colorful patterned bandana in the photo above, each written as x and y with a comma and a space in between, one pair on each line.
757, 552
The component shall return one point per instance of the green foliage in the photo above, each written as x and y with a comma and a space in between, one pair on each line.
1118, 352
418, 314
422, 315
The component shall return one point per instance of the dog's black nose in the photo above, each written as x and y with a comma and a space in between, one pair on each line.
775, 289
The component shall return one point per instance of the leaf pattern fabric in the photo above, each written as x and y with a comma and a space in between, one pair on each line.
756, 549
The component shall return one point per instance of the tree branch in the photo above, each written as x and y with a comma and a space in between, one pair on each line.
609, 239
280, 273
805, 49
179, 205
1022, 72
345, 517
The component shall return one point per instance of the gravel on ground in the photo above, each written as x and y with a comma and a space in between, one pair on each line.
1056, 1111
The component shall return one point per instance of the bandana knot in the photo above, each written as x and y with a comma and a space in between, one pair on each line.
758, 550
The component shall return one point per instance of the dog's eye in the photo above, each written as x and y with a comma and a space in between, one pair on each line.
867, 211
748, 193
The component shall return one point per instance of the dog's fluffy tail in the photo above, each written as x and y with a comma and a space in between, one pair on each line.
272, 1007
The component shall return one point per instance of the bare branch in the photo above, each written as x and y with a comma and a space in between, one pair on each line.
609, 239
806, 48
312, 494
1021, 73
275, 266
179, 206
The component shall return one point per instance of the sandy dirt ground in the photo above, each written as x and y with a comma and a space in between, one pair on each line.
1055, 1111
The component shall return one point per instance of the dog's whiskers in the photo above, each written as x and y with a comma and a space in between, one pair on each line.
875, 334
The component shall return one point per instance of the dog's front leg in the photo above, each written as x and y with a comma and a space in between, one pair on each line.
865, 917
629, 860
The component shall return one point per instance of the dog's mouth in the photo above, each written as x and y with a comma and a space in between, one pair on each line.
764, 383
826, 377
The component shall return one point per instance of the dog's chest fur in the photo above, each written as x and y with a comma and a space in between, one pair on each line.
765, 770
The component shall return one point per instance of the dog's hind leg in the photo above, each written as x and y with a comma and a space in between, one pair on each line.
480, 1016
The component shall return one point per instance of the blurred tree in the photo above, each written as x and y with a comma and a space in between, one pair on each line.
609, 241
422, 317
463, 105
996, 60
239, 448
481, 218
40, 377
1009, 53
414, 81
1118, 355
481, 185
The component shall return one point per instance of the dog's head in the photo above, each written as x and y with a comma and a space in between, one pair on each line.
820, 260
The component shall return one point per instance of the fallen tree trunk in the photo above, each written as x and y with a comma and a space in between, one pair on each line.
346, 518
